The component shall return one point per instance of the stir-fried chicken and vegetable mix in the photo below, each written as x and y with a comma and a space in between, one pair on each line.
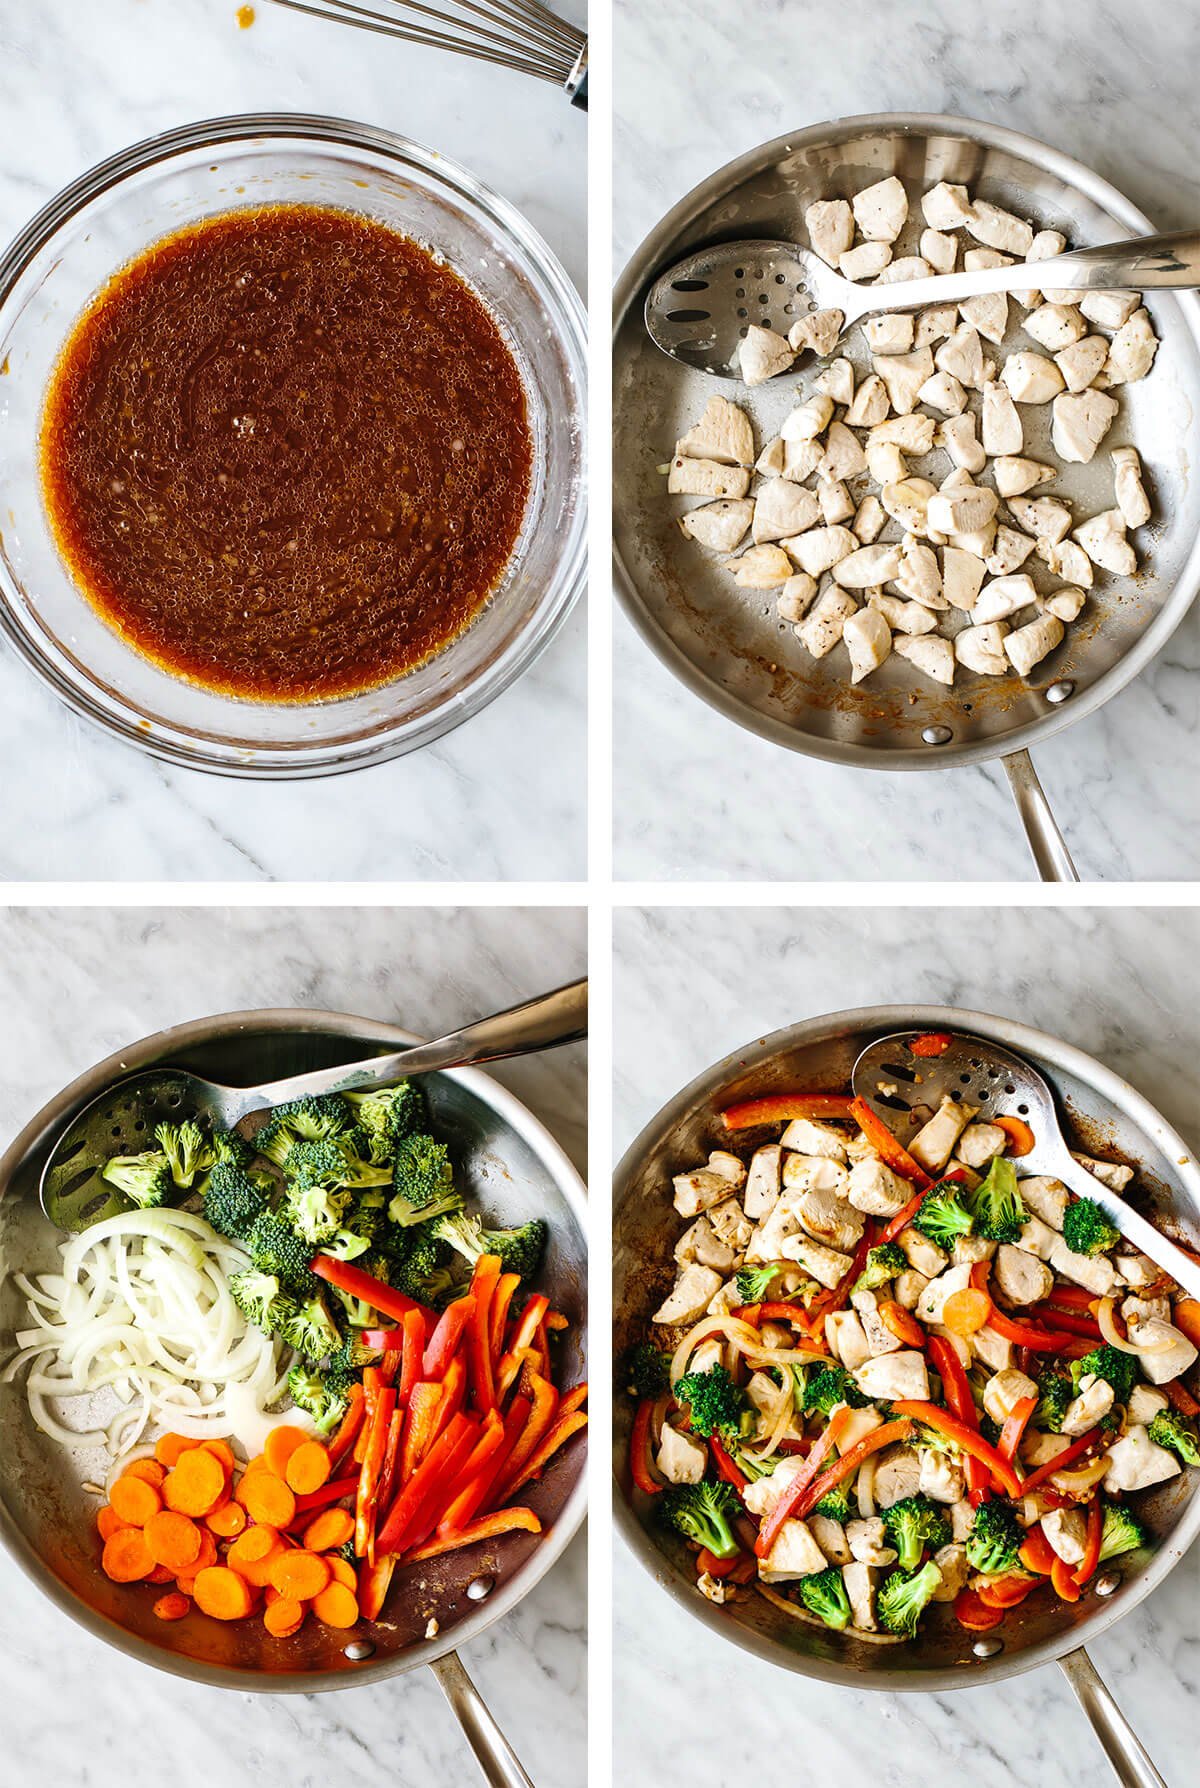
334, 1262
893, 1372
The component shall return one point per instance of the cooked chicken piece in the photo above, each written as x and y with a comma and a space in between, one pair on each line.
980, 1142
1067, 560
955, 1569
1046, 1198
903, 616
1145, 1403
1164, 1352
962, 511
716, 1590
837, 381
899, 1472
796, 597
719, 526
1137, 1270
700, 1243
724, 433
1095, 1272
1135, 1462
941, 1476
1103, 540
695, 1192
837, 505
801, 459
1113, 1174
941, 251
761, 1494
705, 478
1002, 429
867, 261
906, 268
843, 457
886, 462
808, 420
933, 1144
935, 324
879, 1337
999, 229
807, 1136
1044, 517
817, 333
1021, 1276
930, 654
769, 463
1094, 1401
889, 334
819, 549
869, 520
988, 313
829, 1219
860, 1581
847, 1339
992, 1348
874, 1189
1009, 551
1066, 1530
762, 567
1038, 1449
1137, 1310
763, 354
946, 207
908, 502
682, 1459
870, 404
881, 210
1082, 361
1066, 603
962, 1519
907, 1288
911, 434
763, 1181
1132, 352
821, 629
825, 1265
868, 639
1056, 326
794, 1554
1109, 309
867, 567
831, 1538
944, 393
1015, 476
689, 1296
903, 375
762, 1392
962, 355
933, 1298
970, 1248
1031, 378
813, 1173
1046, 244
1003, 1391
782, 509
919, 577
957, 436
962, 577
830, 226
728, 1167
724, 1299
868, 1542
730, 1225
1129, 490
1028, 645
894, 1377
921, 1254
1081, 421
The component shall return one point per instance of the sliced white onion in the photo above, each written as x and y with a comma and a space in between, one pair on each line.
1108, 1328
732, 1327
866, 1485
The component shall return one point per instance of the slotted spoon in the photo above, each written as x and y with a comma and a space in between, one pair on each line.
121, 1121
889, 1077
699, 310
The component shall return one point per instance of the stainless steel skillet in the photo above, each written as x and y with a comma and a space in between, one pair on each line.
729, 647
1106, 1116
516, 1169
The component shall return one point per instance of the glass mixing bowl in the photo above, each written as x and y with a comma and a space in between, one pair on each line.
57, 264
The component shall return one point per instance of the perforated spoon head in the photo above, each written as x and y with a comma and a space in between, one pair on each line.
699, 310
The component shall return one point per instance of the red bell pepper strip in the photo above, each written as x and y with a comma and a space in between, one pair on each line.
423, 1523
1180, 1397
382, 1340
972, 1612
479, 1336
639, 1449
903, 1217
454, 1391
384, 1298
1060, 1461
964, 1436
488, 1527
1037, 1340
371, 1381
440, 1460
391, 1457
1091, 1551
1007, 1592
1069, 1321
334, 1491
781, 1108
372, 1470
932, 1043
488, 1441
476, 1494
957, 1392
785, 1507
541, 1416
446, 1336
574, 1398
887, 1146
757, 1314
1063, 1579
422, 1414
737, 1565
522, 1338
506, 1285
1014, 1426
412, 1353
342, 1444
1073, 1297
564, 1427
726, 1468
849, 1463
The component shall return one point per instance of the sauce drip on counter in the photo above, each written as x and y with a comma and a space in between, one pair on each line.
286, 454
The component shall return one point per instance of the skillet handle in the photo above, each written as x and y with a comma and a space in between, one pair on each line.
1121, 1744
493, 1753
1050, 852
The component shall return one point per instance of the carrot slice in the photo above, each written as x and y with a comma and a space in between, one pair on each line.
227, 1521
281, 1444
1036, 1553
283, 1617
267, 1499
1020, 1137
208, 1552
251, 1547
174, 1540
966, 1312
328, 1530
300, 1575
108, 1522
149, 1470
1062, 1576
170, 1448
336, 1606
126, 1557
221, 1593
1186, 1317
221, 1449
172, 1606
902, 1323
134, 1500
307, 1468
973, 1613
160, 1574
341, 1571
197, 1484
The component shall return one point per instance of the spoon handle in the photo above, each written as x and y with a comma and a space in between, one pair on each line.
543, 1023
1133, 1226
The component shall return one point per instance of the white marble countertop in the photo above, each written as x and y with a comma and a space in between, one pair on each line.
697, 86
692, 985
502, 797
75, 984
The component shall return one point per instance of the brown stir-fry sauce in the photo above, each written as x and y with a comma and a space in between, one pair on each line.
286, 453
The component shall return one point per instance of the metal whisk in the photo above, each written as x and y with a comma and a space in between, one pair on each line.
520, 34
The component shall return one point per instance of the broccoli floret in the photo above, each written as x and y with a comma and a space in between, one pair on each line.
830, 1386
749, 1466
275, 1248
883, 1263
1122, 1532
227, 1145
359, 1230
1055, 1393
387, 1115
261, 1299
1086, 1230
996, 1208
715, 1402
904, 1597
1169, 1429
912, 1524
1116, 1368
754, 1283
519, 1250
701, 1512
310, 1329
233, 1202
420, 1265
145, 1178
424, 1181
995, 1537
315, 1212
310, 1120
313, 1393
941, 1216
646, 1371
824, 1594
333, 1164
344, 1366
187, 1151
834, 1505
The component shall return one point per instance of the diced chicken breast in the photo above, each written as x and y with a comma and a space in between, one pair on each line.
705, 478
999, 229
782, 508
763, 354
957, 436
922, 1255
724, 433
895, 1376
1103, 540
944, 393
761, 1494
843, 457
1066, 1530
1028, 645
820, 549
1009, 551
1095, 1272
794, 1554
868, 639
1109, 309
763, 1181
962, 510
1081, 421
700, 1243
962, 1519
903, 376
1016, 476
830, 1536
829, 1219
941, 1476
920, 576
837, 505
837, 381
808, 420
980, 1142
930, 654
1066, 603
1021, 1276
1113, 1174
1046, 1198
1164, 1352
1003, 432
869, 520
935, 324
1137, 1310
801, 459
874, 1189
962, 577
1082, 362
911, 434
1004, 1390
813, 1173
933, 1299
1145, 1403
868, 1541
796, 597
806, 1136
988, 313
730, 1224
720, 526
903, 616
1135, 1462
907, 1288
867, 261
941, 251
695, 1192
870, 405
682, 1458
898, 1474
906, 268
992, 1348
946, 207
1069, 561
880, 1338
817, 333
933, 1144
1031, 378
1137, 1270
762, 567
826, 1265
690, 1295
1046, 244
1043, 517
847, 1338
907, 502
961, 354
867, 566
881, 210
830, 226
970, 1248
860, 1581
1128, 488
952, 1562
1094, 1401
1056, 326
716, 1590
890, 334
1132, 352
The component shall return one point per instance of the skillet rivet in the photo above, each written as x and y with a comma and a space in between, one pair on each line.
1058, 692
1108, 1584
987, 1648
359, 1650
480, 1588
937, 735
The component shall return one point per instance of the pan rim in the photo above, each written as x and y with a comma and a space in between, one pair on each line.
672, 656
149, 1050
1061, 1055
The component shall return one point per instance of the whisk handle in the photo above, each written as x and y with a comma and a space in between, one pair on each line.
577, 81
